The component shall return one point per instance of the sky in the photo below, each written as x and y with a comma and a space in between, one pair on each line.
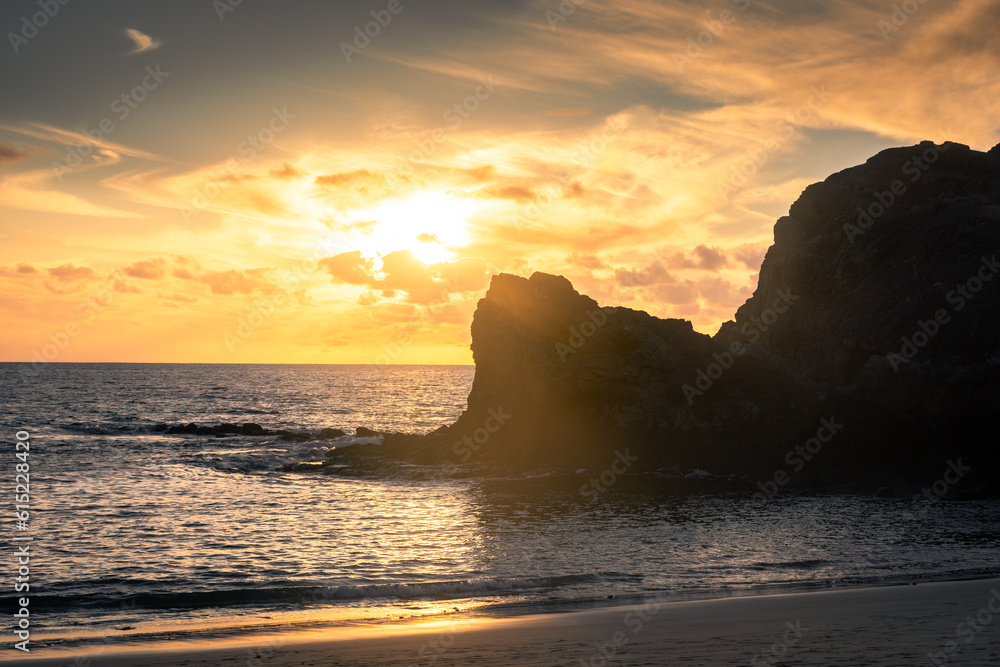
319, 182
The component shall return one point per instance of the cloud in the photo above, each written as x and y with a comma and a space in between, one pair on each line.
704, 257
519, 193
68, 273
63, 138
123, 287
401, 271
28, 191
591, 262
344, 178
10, 153
148, 269
751, 255
141, 41
185, 268
26, 268
227, 283
286, 171
349, 267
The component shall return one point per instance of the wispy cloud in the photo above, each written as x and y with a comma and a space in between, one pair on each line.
27, 191
70, 138
141, 41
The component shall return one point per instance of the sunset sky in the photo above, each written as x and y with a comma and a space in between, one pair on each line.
199, 181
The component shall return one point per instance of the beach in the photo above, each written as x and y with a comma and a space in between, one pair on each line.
894, 625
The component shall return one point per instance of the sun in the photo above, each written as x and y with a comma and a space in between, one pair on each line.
429, 224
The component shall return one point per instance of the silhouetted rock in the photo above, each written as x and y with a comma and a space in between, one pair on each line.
190, 429
158, 428
363, 432
252, 429
331, 434
868, 352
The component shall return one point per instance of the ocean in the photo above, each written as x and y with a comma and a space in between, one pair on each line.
139, 536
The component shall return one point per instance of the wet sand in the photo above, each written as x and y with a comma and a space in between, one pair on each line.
896, 626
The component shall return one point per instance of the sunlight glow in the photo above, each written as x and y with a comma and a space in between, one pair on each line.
429, 224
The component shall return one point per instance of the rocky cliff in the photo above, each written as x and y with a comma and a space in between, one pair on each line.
874, 326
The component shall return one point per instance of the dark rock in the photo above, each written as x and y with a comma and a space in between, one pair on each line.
363, 432
204, 430
561, 381
252, 429
226, 428
159, 428
190, 429
331, 434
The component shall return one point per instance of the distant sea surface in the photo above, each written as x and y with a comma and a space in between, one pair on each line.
139, 535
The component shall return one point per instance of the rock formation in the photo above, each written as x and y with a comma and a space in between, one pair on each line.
874, 328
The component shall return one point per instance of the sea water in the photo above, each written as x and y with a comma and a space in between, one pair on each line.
140, 535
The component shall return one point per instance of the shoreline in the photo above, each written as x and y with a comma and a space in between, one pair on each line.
892, 624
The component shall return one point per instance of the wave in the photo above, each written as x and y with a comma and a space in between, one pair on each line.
791, 565
307, 595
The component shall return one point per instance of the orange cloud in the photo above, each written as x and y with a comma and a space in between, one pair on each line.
709, 259
401, 271
69, 273
10, 153
148, 269
237, 282
286, 171
345, 177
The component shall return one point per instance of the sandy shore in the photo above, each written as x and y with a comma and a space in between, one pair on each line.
895, 626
